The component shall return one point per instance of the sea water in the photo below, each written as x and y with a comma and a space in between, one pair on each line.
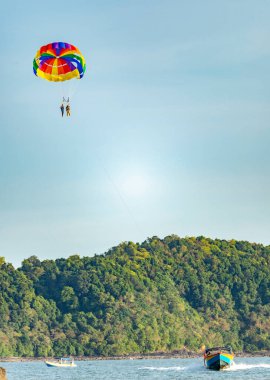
243, 368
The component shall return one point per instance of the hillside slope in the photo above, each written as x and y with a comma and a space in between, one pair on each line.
161, 295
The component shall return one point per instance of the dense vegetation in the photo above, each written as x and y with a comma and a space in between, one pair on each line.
161, 295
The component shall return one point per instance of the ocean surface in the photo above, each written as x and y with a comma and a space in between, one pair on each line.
244, 368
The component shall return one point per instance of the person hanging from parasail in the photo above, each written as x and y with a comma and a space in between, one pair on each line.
68, 109
62, 108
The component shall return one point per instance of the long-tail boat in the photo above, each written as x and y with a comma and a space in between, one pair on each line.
218, 358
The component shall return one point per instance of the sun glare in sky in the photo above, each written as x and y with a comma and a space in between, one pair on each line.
135, 185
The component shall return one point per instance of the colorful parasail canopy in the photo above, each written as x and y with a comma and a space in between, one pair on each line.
59, 61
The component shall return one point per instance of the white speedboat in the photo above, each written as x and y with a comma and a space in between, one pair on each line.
61, 362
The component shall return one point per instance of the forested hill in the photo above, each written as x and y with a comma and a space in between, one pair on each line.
161, 295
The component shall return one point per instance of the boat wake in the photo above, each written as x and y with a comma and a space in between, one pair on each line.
194, 367
243, 366
164, 368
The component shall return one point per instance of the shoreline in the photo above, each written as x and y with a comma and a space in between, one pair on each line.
158, 355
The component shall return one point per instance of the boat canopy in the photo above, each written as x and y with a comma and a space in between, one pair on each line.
219, 348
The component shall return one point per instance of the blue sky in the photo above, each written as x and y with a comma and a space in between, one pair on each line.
169, 131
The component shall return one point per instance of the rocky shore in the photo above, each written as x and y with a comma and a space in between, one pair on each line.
3, 374
157, 355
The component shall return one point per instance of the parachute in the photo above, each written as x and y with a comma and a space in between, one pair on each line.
58, 62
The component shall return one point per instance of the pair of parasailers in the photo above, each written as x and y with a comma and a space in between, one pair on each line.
62, 108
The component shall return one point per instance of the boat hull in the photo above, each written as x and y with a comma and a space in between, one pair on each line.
219, 361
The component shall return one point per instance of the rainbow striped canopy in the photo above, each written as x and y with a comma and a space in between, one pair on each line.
59, 61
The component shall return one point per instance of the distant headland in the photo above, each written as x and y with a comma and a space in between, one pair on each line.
160, 298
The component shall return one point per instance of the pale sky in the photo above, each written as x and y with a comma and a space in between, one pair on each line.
169, 132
